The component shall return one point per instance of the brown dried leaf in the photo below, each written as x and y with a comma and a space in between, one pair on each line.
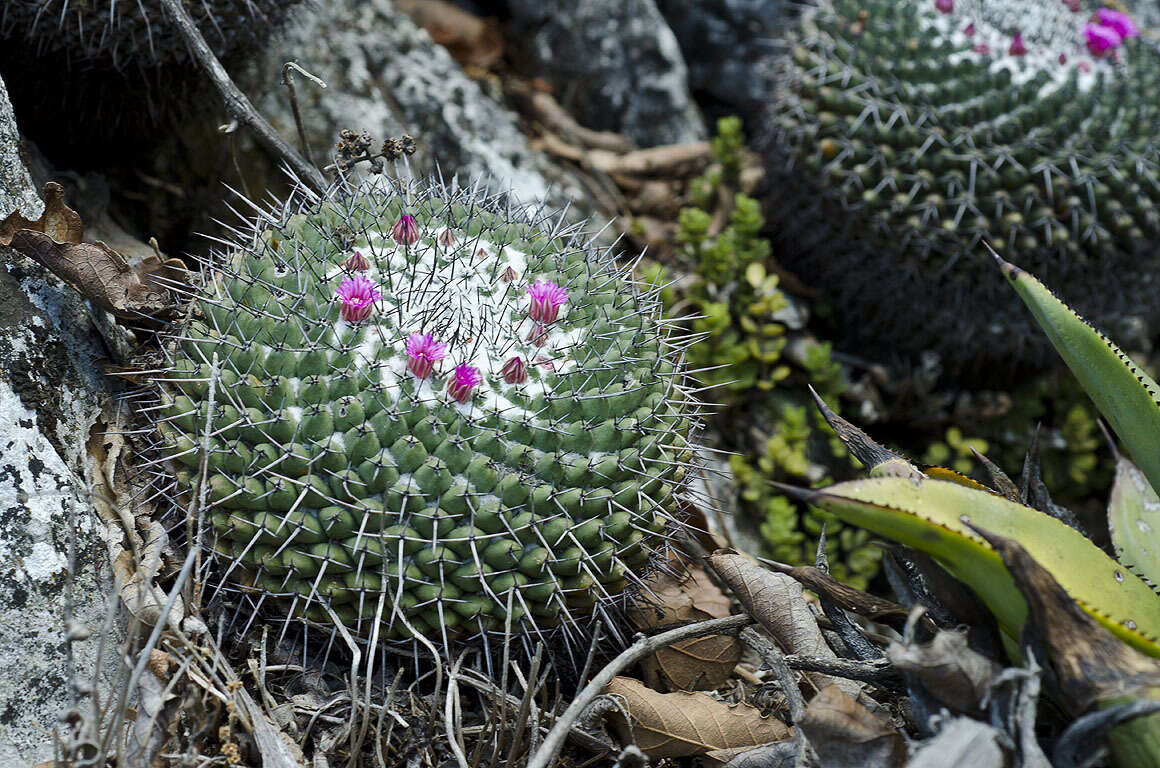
682, 724
100, 274
850, 599
697, 664
776, 602
471, 41
58, 221
847, 735
953, 673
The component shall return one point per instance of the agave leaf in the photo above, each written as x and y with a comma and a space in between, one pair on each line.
1134, 520
1127, 396
929, 515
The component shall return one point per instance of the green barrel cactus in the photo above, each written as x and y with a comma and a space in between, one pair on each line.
904, 133
119, 32
427, 414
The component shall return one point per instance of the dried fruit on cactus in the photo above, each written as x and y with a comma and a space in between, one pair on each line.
423, 440
903, 133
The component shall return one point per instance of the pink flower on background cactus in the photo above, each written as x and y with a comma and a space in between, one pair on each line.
463, 381
1017, 47
1101, 40
945, 6
547, 298
358, 296
1121, 22
422, 354
356, 262
515, 371
405, 231
969, 30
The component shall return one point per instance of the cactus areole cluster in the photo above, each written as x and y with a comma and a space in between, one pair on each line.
906, 133
427, 414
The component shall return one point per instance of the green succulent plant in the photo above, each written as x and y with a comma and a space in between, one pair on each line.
428, 413
956, 520
902, 133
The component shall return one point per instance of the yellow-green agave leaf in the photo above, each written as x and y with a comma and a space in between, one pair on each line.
1127, 396
929, 516
1134, 520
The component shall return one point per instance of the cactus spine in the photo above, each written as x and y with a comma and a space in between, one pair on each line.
431, 410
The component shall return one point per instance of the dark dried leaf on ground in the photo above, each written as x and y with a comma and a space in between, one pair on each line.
948, 668
683, 724
847, 735
61, 223
699, 664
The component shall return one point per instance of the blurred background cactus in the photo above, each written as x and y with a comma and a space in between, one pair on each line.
428, 409
903, 134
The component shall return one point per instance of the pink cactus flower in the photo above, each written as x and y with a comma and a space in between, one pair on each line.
945, 6
447, 238
547, 298
422, 354
406, 231
356, 262
463, 381
969, 30
1101, 40
358, 296
1121, 22
1063, 58
538, 335
515, 371
1017, 47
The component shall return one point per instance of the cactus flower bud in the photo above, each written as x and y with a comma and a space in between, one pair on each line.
509, 275
356, 262
358, 296
422, 354
1017, 47
405, 231
547, 298
447, 238
945, 6
515, 371
463, 381
538, 335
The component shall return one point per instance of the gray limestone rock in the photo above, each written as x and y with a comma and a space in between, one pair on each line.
387, 77
16, 191
730, 46
615, 64
51, 393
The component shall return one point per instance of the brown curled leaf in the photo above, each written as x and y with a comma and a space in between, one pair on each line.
100, 274
682, 724
847, 735
61, 223
697, 664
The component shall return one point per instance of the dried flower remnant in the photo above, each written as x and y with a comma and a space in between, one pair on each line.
447, 238
356, 262
515, 371
405, 231
358, 296
422, 354
1017, 46
538, 335
463, 381
546, 300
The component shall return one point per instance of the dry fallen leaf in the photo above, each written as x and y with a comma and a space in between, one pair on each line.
682, 724
99, 273
847, 735
698, 664
776, 602
61, 223
953, 673
471, 41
